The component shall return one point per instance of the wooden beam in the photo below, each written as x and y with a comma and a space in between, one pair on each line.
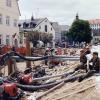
10, 67
50, 90
76, 92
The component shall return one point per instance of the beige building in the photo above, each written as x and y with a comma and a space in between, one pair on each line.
9, 16
95, 26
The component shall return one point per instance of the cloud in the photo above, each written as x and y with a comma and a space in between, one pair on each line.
62, 11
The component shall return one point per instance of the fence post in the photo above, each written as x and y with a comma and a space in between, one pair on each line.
28, 51
10, 67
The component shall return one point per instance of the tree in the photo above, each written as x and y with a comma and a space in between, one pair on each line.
47, 38
80, 31
35, 36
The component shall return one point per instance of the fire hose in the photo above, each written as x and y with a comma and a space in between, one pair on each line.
47, 86
9, 55
66, 80
71, 78
14, 55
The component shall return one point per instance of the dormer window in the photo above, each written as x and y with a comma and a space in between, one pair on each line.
24, 25
32, 24
8, 3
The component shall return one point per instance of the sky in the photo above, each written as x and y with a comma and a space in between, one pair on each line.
62, 11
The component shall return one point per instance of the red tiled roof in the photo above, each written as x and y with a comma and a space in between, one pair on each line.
95, 21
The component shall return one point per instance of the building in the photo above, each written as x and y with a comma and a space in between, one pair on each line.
9, 16
64, 29
60, 31
42, 25
57, 31
95, 26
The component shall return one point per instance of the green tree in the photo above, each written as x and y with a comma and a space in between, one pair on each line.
80, 31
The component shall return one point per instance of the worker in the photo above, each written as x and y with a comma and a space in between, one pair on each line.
83, 61
52, 51
46, 54
94, 66
95, 62
82, 65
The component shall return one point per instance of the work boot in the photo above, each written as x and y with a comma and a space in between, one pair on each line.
89, 74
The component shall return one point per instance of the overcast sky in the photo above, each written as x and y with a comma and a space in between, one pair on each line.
62, 11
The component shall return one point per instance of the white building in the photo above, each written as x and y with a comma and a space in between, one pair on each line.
9, 16
95, 26
42, 25
59, 32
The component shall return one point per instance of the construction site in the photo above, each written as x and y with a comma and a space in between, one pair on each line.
49, 50
55, 81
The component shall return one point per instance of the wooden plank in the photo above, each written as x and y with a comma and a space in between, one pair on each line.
50, 90
76, 92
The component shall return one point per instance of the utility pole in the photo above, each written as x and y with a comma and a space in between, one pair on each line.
28, 49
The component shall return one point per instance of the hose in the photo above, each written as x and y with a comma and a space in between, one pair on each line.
47, 86
9, 55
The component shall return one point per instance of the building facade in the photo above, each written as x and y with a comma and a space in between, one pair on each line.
57, 31
95, 26
9, 16
60, 31
42, 25
64, 29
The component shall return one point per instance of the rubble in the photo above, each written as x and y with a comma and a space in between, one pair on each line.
60, 88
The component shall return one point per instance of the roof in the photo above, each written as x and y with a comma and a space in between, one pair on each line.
59, 28
94, 21
96, 32
35, 21
64, 27
55, 25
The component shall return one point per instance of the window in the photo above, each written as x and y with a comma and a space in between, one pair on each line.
7, 40
0, 39
46, 28
8, 20
8, 3
15, 23
24, 25
0, 18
